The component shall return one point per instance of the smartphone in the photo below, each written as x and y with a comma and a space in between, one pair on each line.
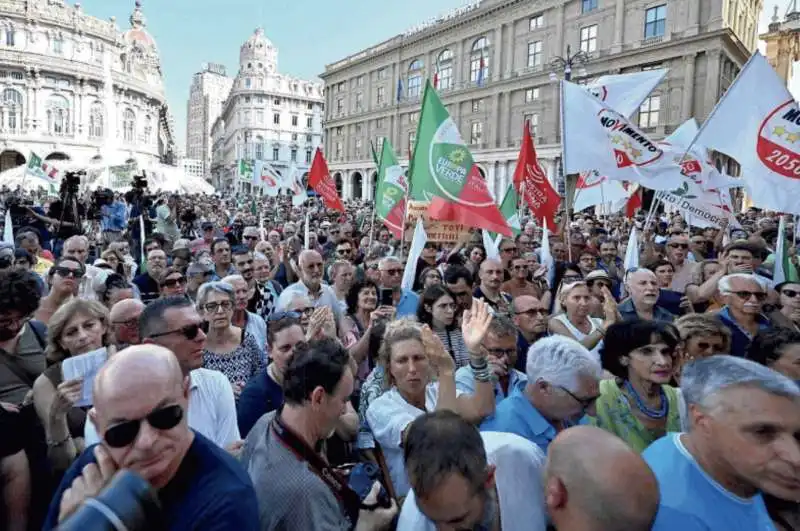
386, 297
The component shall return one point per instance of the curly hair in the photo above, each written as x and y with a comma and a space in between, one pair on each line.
54, 352
405, 329
355, 290
19, 291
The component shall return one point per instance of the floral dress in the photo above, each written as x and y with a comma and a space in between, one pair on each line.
239, 365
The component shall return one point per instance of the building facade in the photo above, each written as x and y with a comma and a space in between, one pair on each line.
74, 87
267, 116
782, 41
492, 63
209, 90
193, 167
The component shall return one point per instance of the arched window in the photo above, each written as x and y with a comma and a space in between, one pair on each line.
259, 148
128, 126
96, 120
148, 129
414, 84
58, 115
443, 76
479, 61
11, 110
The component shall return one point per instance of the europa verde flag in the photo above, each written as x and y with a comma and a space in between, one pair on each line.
444, 173
390, 196
510, 209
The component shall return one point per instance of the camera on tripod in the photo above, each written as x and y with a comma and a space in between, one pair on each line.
71, 182
100, 198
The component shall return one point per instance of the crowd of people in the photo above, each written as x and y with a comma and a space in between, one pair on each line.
262, 365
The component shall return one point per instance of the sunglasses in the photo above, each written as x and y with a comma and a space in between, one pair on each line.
67, 272
124, 433
173, 282
745, 295
251, 237
509, 250
533, 312
393, 272
344, 251
703, 345
518, 267
790, 293
214, 307
500, 352
130, 323
372, 266
189, 331
678, 245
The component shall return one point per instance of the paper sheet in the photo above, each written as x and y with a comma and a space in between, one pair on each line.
85, 367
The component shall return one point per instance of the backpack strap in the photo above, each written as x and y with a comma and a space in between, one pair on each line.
39, 330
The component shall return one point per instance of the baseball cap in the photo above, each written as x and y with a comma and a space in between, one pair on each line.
598, 274
207, 225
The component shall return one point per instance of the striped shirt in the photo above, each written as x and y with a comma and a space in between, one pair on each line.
454, 343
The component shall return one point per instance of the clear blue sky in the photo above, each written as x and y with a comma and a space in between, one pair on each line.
308, 33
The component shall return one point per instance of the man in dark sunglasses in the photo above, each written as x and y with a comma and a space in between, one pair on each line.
744, 295
141, 404
677, 251
197, 274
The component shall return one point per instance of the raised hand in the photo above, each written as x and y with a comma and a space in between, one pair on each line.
93, 478
438, 357
475, 324
67, 393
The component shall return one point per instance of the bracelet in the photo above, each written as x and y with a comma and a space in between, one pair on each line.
56, 444
478, 363
482, 375
601, 330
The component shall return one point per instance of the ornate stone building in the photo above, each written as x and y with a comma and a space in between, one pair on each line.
267, 116
783, 40
74, 87
492, 62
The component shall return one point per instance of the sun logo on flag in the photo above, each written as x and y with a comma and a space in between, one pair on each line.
457, 156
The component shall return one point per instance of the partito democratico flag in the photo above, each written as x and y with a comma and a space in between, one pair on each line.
757, 122
532, 183
443, 172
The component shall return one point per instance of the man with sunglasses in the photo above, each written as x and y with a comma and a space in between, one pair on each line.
519, 284
405, 301
251, 237
141, 408
530, 318
124, 318
788, 314
677, 255
744, 295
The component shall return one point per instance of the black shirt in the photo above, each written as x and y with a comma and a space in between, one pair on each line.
57, 210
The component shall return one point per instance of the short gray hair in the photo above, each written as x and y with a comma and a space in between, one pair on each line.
500, 326
704, 379
559, 360
232, 278
214, 287
724, 284
386, 259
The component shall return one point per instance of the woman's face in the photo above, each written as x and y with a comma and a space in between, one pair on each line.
67, 276
173, 285
112, 260
703, 346
409, 367
218, 310
261, 270
652, 363
367, 299
81, 334
476, 255
432, 278
443, 311
788, 363
790, 296
664, 274
577, 301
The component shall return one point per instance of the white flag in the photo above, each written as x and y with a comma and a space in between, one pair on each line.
492, 251
757, 122
625, 93
265, 177
545, 258
778, 274
414, 252
8, 228
596, 137
632, 252
294, 182
594, 189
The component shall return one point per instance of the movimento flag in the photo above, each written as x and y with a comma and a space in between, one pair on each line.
532, 183
625, 93
443, 172
320, 179
390, 195
757, 122
266, 178
41, 169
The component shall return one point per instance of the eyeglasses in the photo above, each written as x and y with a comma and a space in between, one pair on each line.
125, 433
509, 250
585, 403
500, 352
372, 266
790, 293
393, 272
745, 295
173, 282
214, 307
284, 315
704, 345
67, 272
532, 312
189, 331
304, 311
678, 245
250, 237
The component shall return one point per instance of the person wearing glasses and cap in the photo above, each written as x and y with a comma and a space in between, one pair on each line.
142, 411
744, 295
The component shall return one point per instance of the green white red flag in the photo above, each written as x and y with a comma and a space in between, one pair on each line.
443, 172
510, 210
390, 196
41, 169
319, 178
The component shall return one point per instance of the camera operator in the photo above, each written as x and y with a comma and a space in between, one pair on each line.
65, 213
141, 207
114, 214
166, 219
317, 386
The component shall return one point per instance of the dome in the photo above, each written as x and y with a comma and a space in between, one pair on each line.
137, 34
258, 53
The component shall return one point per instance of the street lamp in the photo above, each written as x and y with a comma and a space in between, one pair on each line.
565, 64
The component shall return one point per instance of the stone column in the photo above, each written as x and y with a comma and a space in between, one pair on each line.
498, 119
688, 87
496, 70
29, 110
509, 52
712, 83
619, 27
458, 64
80, 118
559, 25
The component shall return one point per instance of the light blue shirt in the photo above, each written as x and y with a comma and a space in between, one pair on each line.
465, 383
257, 328
692, 500
115, 217
408, 303
517, 415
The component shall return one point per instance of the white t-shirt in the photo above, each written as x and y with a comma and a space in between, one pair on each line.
518, 476
212, 410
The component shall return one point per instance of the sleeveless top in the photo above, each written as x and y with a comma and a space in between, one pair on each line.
76, 416
578, 335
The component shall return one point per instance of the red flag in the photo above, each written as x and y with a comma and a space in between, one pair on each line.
634, 202
532, 183
319, 178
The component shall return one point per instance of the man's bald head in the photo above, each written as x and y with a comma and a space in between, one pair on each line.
133, 367
126, 310
594, 480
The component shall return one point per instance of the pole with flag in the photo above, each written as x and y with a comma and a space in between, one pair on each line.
377, 162
319, 178
782, 259
414, 252
545, 257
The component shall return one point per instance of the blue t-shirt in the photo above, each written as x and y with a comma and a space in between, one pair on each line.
260, 396
517, 415
210, 491
692, 500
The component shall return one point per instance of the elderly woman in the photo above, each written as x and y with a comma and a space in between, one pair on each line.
437, 309
638, 405
172, 283
362, 315
420, 378
576, 322
64, 279
703, 335
228, 349
78, 327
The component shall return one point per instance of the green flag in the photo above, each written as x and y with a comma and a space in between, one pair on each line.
444, 173
510, 209
390, 196
246, 169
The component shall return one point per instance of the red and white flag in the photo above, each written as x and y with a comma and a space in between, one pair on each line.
625, 93
319, 178
532, 183
593, 189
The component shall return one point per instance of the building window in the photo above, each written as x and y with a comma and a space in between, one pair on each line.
294, 121
96, 121
588, 5
648, 112
536, 22
413, 117
308, 139
534, 54
276, 119
148, 129
476, 132
308, 156
339, 105
11, 110
531, 94
533, 123
359, 100
360, 81
589, 38
247, 117
58, 44
128, 126
259, 148
9, 36
444, 71
293, 155
477, 105
277, 101
655, 20
379, 123
310, 106
381, 73
247, 99
309, 122
380, 96
414, 85
275, 153
412, 139
247, 82
294, 137
260, 116
357, 148
479, 61
338, 150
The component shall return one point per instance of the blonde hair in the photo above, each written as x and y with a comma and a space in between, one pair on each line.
703, 324
404, 329
567, 288
54, 352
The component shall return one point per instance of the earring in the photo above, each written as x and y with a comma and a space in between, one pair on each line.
624, 362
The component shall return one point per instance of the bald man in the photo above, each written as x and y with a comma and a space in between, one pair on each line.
124, 318
595, 482
492, 275
140, 403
